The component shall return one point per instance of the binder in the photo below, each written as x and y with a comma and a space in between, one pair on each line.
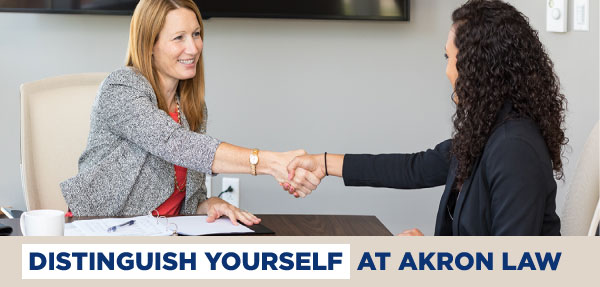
5, 230
149, 225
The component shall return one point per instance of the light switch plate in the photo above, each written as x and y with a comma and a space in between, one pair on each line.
556, 15
581, 15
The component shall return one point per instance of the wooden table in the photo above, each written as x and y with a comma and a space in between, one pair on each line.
298, 225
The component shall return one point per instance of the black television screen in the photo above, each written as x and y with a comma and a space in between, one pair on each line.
396, 10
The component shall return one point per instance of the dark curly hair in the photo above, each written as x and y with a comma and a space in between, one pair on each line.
501, 59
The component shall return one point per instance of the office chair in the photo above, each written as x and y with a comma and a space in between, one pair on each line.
595, 222
55, 119
581, 212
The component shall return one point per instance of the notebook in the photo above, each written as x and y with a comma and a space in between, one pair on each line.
156, 226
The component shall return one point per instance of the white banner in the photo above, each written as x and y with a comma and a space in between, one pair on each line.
185, 261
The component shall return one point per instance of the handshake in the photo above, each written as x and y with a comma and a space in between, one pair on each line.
300, 173
305, 172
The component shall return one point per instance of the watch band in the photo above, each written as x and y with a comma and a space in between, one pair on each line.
254, 161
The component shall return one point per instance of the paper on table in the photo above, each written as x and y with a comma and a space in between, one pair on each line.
197, 225
72, 230
143, 226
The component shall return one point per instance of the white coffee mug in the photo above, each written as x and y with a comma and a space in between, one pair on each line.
43, 222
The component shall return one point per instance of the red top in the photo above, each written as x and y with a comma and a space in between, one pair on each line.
172, 205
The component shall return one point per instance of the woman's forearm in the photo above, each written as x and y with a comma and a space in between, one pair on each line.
335, 164
316, 163
235, 159
231, 159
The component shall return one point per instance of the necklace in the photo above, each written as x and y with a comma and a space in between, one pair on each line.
178, 187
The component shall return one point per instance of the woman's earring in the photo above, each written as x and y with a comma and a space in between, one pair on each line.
454, 97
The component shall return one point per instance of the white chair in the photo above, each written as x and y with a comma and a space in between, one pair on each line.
595, 226
581, 212
55, 120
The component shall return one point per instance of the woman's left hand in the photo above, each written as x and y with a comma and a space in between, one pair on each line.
215, 207
411, 232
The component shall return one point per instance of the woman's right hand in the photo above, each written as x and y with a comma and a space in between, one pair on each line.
305, 174
276, 164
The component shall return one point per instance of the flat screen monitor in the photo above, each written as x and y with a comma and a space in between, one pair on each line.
393, 10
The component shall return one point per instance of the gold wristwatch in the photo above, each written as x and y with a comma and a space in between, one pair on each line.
254, 161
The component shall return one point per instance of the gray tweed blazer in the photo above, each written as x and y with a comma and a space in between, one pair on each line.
127, 166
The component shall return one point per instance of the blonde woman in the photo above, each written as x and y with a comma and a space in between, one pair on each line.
147, 150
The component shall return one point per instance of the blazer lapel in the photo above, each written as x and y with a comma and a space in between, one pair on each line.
443, 223
461, 197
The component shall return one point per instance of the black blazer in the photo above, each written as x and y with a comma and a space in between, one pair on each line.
511, 190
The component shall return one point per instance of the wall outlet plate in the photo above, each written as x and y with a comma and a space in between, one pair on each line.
556, 15
208, 183
232, 197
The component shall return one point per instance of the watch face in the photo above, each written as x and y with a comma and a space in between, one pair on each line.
253, 159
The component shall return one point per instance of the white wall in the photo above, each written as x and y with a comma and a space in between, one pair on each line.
279, 84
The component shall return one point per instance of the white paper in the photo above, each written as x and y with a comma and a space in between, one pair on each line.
143, 226
197, 225
150, 226
72, 230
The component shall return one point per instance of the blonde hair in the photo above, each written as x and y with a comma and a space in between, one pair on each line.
147, 21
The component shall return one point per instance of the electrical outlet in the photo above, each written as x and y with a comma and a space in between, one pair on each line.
232, 196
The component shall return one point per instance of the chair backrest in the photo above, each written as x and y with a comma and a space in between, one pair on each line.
595, 226
581, 211
55, 122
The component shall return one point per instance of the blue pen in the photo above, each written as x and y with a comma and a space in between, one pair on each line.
114, 228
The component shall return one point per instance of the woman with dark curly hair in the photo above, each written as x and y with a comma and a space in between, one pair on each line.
499, 167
